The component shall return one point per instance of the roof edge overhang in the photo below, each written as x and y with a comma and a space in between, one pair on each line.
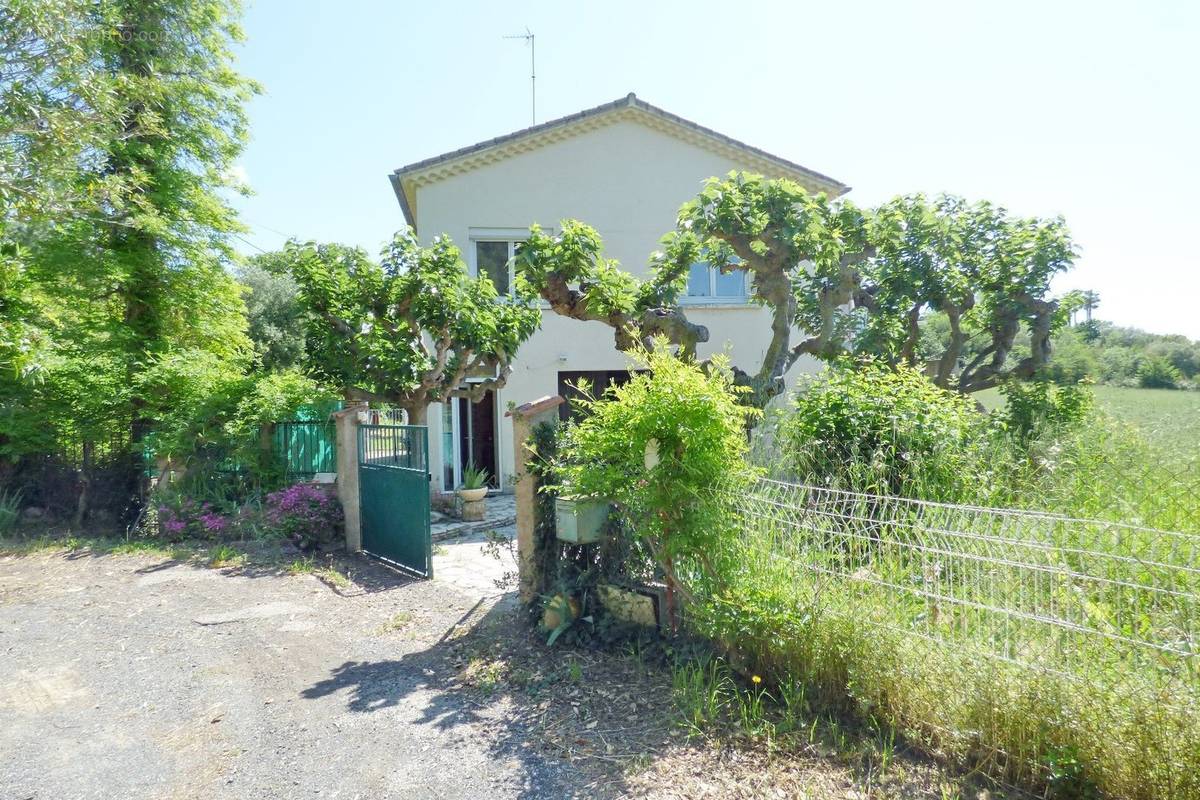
407, 179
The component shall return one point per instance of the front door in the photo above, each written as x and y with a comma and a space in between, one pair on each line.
477, 435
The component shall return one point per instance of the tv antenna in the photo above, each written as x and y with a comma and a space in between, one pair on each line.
528, 37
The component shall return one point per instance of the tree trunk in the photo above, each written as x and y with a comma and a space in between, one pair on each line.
85, 485
908, 352
953, 350
417, 413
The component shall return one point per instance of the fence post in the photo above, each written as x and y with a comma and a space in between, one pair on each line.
346, 428
524, 418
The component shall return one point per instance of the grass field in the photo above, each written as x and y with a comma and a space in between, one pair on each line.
1167, 419
1055, 653
1141, 466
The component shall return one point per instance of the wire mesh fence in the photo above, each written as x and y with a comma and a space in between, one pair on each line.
1010, 635
1158, 489
1105, 469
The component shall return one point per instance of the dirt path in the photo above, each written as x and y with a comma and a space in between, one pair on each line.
134, 677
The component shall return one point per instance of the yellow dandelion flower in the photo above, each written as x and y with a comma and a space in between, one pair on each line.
756, 679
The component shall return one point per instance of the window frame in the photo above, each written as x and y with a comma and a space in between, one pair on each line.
712, 298
511, 237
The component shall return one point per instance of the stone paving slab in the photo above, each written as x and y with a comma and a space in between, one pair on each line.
500, 512
465, 563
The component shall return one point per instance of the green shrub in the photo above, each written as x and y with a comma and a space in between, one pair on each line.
1157, 372
1072, 360
687, 419
308, 514
213, 429
881, 430
10, 510
830, 596
1038, 408
882, 612
192, 513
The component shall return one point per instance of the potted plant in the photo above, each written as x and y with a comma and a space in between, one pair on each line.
474, 484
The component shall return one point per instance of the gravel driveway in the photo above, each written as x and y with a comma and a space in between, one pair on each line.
140, 677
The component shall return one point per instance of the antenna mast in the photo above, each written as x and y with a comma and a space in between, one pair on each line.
528, 37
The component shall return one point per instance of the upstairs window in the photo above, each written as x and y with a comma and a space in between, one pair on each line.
492, 252
493, 258
708, 284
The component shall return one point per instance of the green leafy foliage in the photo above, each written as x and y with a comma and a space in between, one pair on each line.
889, 431
309, 515
275, 319
1096, 349
57, 105
872, 428
987, 271
574, 257
818, 593
475, 478
837, 280
216, 415
1035, 408
802, 252
10, 510
119, 123
1073, 359
410, 329
1157, 372
656, 446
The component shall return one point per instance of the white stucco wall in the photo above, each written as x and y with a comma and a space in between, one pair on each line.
628, 181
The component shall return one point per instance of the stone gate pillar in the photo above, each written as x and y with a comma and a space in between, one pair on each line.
346, 424
524, 419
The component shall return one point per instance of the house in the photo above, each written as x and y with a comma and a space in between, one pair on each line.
625, 168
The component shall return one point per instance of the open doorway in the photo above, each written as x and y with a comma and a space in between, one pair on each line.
475, 437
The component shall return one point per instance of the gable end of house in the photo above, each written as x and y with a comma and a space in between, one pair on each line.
408, 179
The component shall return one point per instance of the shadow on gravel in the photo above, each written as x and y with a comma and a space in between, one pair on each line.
371, 576
255, 560
170, 562
510, 716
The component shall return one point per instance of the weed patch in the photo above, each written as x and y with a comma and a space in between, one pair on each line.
225, 556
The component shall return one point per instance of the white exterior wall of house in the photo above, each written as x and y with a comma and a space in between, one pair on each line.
627, 180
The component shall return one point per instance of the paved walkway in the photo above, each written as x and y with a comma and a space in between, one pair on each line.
476, 566
500, 511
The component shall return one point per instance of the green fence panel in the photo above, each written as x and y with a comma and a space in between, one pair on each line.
306, 448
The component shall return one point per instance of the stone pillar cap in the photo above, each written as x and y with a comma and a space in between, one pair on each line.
536, 406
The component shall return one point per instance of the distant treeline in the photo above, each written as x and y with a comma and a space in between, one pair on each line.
1108, 353
1099, 351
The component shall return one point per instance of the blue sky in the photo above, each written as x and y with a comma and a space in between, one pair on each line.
1086, 109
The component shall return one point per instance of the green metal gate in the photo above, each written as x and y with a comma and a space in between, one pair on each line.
393, 485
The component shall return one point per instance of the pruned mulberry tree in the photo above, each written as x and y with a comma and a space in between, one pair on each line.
838, 281
409, 330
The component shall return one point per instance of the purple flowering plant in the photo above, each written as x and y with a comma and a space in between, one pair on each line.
307, 513
179, 518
